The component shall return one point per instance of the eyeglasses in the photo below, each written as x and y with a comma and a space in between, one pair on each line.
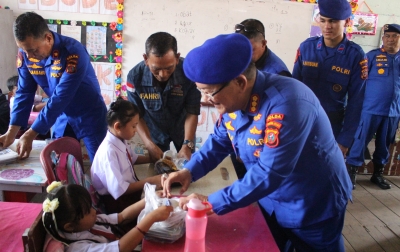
240, 27
216, 92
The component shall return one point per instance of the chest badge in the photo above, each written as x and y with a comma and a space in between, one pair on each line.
337, 88
381, 71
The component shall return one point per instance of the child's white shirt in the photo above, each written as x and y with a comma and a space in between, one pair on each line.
111, 169
83, 244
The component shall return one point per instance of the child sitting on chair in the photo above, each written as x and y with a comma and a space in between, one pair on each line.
112, 171
68, 217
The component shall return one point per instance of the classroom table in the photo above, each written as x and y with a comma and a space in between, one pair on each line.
15, 218
241, 230
25, 175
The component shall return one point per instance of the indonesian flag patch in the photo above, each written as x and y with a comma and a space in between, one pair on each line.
130, 87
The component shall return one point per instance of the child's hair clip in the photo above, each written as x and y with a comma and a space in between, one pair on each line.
53, 185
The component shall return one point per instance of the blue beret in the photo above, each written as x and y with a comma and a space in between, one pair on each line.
335, 9
391, 28
218, 60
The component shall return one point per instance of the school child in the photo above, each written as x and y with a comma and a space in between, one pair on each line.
112, 171
68, 217
38, 103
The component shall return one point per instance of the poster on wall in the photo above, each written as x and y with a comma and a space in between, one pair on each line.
97, 38
82, 6
364, 23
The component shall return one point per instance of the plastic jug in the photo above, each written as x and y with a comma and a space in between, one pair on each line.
196, 223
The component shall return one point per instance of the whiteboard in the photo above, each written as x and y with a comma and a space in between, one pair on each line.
287, 24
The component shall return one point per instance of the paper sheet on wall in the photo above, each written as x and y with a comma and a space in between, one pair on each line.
72, 31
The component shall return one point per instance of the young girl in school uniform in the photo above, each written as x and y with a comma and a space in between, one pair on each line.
112, 171
68, 217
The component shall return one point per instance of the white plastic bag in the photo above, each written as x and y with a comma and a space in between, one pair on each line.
172, 228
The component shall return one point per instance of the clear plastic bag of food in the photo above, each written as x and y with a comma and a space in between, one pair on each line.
166, 231
169, 163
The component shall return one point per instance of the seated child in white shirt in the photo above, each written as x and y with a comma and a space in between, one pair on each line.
112, 171
68, 216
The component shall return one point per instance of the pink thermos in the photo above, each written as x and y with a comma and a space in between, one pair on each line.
196, 223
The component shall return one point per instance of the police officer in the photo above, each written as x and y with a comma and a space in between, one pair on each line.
381, 109
263, 57
335, 69
61, 67
282, 134
169, 103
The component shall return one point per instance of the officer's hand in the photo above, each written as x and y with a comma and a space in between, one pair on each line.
9, 137
185, 152
24, 146
343, 149
183, 177
184, 200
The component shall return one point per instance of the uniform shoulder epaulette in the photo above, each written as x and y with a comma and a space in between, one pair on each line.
312, 39
356, 47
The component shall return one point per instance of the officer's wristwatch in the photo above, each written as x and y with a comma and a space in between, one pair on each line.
189, 143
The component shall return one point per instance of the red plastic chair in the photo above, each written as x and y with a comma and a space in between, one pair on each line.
65, 144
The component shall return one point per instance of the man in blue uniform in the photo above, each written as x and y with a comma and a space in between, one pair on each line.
381, 109
169, 103
61, 67
295, 169
263, 57
335, 69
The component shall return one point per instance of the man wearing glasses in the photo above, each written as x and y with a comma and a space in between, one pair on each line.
335, 69
381, 108
295, 169
264, 58
169, 103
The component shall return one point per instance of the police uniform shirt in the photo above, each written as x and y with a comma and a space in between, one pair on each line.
69, 80
271, 63
294, 166
337, 79
163, 110
111, 171
382, 93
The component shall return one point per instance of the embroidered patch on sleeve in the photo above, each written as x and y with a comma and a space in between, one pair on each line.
130, 87
297, 55
364, 68
72, 62
71, 69
272, 130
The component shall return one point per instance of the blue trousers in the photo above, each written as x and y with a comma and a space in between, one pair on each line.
322, 236
385, 128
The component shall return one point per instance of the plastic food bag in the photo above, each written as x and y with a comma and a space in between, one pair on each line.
172, 228
169, 163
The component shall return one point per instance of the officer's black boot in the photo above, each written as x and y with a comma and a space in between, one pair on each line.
377, 177
353, 173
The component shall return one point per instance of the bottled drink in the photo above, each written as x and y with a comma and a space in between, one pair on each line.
196, 223
180, 163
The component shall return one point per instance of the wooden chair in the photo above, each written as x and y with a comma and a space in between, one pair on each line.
36, 236
65, 144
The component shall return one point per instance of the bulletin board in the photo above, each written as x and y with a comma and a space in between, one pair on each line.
102, 42
97, 37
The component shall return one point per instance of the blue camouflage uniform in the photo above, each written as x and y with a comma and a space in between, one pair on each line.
69, 80
381, 108
337, 77
163, 110
295, 169
271, 63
